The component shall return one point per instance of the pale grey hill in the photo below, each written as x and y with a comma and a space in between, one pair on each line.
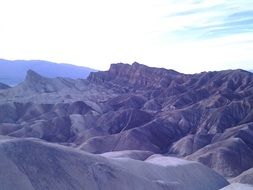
13, 72
35, 165
229, 157
190, 144
245, 177
230, 153
238, 186
133, 154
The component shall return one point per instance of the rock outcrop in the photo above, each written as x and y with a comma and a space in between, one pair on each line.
135, 75
205, 117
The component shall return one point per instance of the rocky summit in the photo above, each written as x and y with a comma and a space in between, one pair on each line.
128, 113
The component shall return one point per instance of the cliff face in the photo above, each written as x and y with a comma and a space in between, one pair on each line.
135, 75
205, 117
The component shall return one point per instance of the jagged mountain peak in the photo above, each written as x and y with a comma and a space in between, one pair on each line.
139, 66
38, 83
32, 76
4, 86
135, 75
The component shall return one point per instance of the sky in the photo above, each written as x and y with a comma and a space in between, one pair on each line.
185, 35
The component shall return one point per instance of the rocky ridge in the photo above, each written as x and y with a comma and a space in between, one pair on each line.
205, 117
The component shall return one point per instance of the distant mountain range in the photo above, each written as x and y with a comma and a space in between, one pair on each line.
13, 72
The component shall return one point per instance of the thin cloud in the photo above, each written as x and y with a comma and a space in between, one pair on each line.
202, 20
185, 35
195, 11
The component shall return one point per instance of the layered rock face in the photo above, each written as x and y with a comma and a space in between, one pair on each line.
205, 117
136, 75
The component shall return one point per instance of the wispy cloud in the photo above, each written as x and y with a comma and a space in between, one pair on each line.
209, 19
185, 35
207, 34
